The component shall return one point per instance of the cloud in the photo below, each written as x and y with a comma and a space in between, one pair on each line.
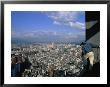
56, 22
77, 25
67, 18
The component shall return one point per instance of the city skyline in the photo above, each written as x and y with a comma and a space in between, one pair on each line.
48, 26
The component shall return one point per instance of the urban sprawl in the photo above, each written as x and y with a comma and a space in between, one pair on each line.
47, 60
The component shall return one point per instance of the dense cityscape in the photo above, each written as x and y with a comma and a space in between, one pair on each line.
46, 44
46, 60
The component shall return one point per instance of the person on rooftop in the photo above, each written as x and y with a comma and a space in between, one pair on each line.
88, 53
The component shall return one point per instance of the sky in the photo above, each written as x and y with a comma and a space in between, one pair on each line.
60, 26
